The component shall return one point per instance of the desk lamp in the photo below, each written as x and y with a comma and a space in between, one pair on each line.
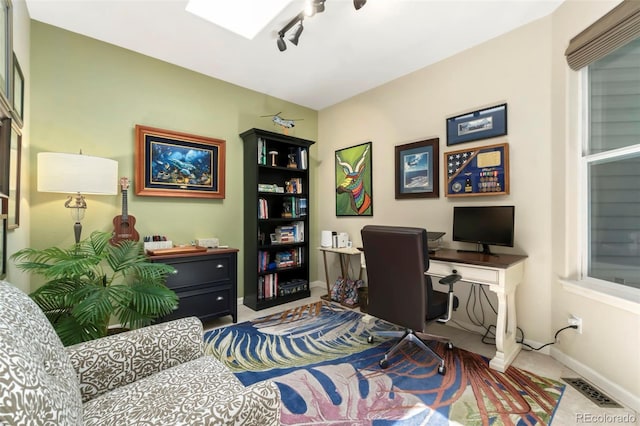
79, 174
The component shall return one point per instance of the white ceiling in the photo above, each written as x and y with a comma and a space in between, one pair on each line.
342, 52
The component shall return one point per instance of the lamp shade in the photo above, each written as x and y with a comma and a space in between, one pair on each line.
71, 173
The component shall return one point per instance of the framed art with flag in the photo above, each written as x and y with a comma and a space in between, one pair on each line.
477, 171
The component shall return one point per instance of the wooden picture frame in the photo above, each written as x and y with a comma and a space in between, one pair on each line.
18, 92
176, 164
12, 207
6, 51
417, 169
354, 192
5, 157
477, 171
482, 124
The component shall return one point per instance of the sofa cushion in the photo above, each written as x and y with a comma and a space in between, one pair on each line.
200, 392
38, 384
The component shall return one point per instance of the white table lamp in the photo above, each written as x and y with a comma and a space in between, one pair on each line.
77, 174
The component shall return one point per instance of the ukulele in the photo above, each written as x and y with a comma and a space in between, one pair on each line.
123, 224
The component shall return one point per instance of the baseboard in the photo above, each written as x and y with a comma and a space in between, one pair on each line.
607, 386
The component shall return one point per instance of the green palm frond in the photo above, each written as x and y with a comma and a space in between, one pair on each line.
93, 281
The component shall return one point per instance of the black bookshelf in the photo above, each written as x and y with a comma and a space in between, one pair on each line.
276, 270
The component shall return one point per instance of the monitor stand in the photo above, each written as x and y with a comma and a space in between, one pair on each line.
485, 250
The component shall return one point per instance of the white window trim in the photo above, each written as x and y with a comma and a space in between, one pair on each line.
616, 295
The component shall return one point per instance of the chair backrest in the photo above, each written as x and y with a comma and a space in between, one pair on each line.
37, 376
396, 259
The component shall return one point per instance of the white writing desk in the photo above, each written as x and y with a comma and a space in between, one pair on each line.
502, 273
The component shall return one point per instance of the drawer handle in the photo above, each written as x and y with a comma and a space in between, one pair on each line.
219, 298
220, 266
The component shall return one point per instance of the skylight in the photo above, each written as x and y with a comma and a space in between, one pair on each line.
244, 17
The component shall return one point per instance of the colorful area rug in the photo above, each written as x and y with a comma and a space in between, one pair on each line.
327, 373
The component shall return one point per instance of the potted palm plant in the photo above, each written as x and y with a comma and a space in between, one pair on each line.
93, 282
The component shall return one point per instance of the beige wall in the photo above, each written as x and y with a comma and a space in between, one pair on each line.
89, 95
526, 69
608, 351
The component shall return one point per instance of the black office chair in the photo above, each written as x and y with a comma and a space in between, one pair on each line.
398, 289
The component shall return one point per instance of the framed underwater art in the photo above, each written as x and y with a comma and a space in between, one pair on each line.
176, 164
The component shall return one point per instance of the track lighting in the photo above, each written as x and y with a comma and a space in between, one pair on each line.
296, 35
359, 3
311, 8
281, 44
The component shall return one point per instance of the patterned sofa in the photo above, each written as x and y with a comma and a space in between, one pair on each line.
152, 376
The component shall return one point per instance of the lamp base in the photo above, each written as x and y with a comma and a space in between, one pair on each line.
77, 230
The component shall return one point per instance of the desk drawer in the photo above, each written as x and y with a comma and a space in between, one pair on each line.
203, 302
475, 274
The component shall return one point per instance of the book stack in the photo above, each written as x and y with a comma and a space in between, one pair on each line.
294, 207
270, 187
268, 286
293, 233
292, 286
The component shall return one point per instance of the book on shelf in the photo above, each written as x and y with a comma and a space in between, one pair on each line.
262, 151
263, 209
294, 186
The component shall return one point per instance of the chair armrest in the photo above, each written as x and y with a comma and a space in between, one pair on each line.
257, 404
450, 280
107, 363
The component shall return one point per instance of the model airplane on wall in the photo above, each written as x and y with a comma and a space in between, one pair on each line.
285, 123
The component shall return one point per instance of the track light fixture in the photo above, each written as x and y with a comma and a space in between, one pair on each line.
359, 3
296, 35
311, 8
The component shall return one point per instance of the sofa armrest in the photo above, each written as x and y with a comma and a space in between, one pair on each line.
258, 404
107, 363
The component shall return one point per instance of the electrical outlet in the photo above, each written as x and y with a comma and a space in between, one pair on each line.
577, 321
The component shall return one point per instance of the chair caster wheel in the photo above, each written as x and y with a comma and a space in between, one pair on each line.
370, 339
449, 345
442, 370
383, 363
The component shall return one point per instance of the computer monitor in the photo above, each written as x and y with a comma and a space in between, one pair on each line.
486, 225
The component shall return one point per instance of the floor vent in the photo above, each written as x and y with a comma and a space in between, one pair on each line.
592, 393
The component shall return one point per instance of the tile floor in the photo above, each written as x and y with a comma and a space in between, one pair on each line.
574, 409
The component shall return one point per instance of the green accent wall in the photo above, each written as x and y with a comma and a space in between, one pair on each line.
89, 95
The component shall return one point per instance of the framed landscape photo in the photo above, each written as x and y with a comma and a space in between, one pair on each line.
482, 124
417, 169
354, 194
176, 164
478, 171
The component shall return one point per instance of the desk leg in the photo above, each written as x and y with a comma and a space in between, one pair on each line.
326, 277
506, 347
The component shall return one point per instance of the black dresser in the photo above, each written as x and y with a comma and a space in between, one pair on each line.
206, 283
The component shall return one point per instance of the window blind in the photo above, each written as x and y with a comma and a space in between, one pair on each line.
615, 29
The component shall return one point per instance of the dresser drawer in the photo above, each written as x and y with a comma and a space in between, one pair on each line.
205, 270
475, 274
203, 303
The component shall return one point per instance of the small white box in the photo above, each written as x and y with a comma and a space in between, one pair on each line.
154, 245
343, 239
210, 242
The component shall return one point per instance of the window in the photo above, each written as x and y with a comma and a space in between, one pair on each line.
611, 161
